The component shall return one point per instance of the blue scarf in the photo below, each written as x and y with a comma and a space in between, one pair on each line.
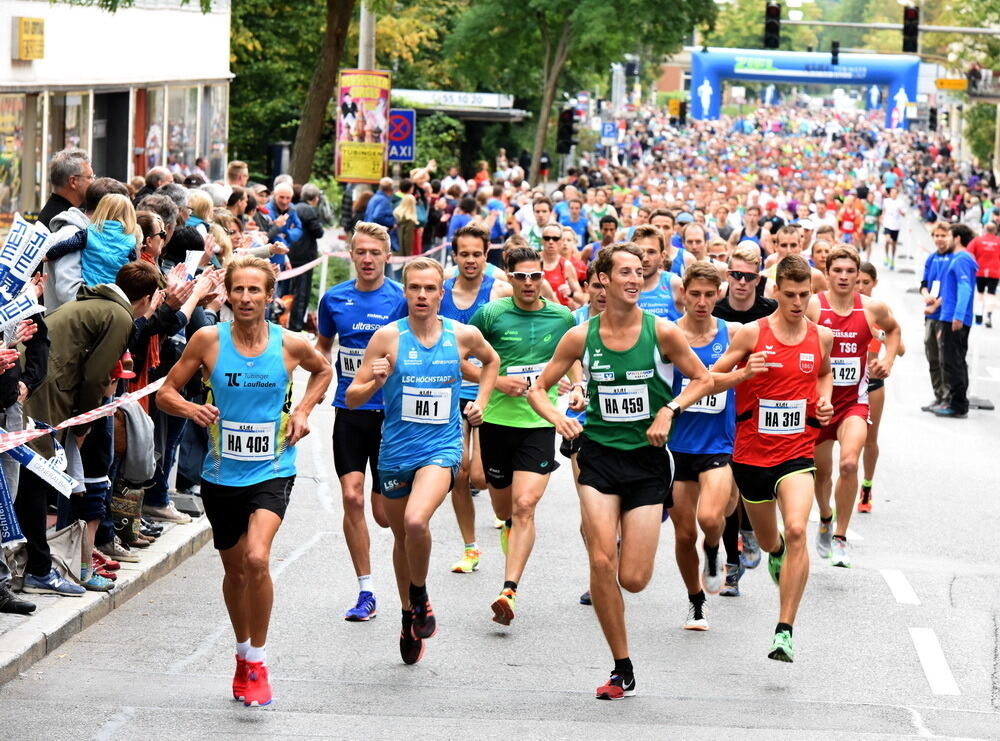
108, 248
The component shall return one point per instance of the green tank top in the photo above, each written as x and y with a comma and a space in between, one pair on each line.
625, 388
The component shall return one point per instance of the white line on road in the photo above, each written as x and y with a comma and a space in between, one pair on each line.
900, 587
322, 487
209, 641
112, 724
936, 669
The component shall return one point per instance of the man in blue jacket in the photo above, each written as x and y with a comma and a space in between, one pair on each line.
286, 227
930, 289
379, 210
958, 289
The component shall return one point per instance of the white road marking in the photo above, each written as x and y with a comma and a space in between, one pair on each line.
112, 724
322, 488
900, 587
935, 666
918, 724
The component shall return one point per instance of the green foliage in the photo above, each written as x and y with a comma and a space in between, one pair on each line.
439, 137
981, 122
740, 25
114, 5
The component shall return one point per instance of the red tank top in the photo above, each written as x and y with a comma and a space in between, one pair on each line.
556, 277
849, 357
776, 411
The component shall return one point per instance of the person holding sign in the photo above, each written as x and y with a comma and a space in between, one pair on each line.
517, 446
417, 364
625, 468
249, 470
852, 318
351, 312
782, 399
702, 445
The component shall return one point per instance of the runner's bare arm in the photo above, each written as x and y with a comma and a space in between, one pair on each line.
882, 367
169, 398
375, 367
324, 346
741, 346
475, 345
320, 375
568, 351
824, 384
675, 346
744, 338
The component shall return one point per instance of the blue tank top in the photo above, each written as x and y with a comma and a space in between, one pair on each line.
660, 300
709, 425
254, 397
422, 424
677, 266
580, 316
448, 309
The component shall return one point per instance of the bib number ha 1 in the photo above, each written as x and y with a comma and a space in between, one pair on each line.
247, 441
350, 360
846, 371
781, 417
624, 403
426, 406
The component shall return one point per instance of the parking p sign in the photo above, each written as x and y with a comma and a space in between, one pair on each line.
402, 134
609, 133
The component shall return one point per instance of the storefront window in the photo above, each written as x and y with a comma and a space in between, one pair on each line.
69, 115
182, 127
11, 147
215, 128
154, 128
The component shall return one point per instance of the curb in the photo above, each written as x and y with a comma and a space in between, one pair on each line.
57, 622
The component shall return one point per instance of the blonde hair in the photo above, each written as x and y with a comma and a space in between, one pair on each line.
248, 262
200, 204
423, 263
746, 254
116, 207
222, 239
407, 208
376, 231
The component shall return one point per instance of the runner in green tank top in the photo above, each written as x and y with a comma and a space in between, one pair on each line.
625, 468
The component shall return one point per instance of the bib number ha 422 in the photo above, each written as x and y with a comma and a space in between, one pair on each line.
846, 371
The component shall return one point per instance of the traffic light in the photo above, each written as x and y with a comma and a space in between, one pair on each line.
911, 28
932, 119
682, 113
834, 53
772, 25
566, 131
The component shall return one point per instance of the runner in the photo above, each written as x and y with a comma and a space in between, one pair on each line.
850, 316
249, 470
661, 289
463, 295
787, 242
675, 259
518, 446
870, 224
783, 398
625, 469
985, 249
702, 446
418, 361
559, 272
351, 311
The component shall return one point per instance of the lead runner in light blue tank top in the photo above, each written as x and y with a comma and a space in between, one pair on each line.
416, 362
249, 470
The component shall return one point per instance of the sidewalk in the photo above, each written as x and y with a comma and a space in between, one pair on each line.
26, 639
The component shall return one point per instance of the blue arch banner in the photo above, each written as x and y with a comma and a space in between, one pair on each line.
896, 71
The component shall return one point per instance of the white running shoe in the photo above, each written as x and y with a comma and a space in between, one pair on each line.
697, 617
824, 536
841, 553
712, 583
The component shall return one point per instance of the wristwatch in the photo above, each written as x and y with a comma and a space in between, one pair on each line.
674, 407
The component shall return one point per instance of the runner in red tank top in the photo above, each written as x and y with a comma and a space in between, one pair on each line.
851, 317
782, 399
558, 270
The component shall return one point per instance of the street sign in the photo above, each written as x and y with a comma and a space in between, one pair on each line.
674, 107
402, 134
947, 83
609, 134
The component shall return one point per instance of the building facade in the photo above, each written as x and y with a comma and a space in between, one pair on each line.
145, 86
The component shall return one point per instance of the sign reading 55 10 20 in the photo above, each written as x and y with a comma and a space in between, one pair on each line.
402, 134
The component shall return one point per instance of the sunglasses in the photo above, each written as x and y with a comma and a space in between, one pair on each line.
161, 235
519, 275
551, 239
739, 275
717, 255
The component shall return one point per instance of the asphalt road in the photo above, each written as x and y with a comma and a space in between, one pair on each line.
904, 644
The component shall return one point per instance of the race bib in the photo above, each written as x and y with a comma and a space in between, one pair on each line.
847, 226
846, 371
426, 406
781, 417
624, 403
935, 288
247, 441
350, 360
711, 404
529, 373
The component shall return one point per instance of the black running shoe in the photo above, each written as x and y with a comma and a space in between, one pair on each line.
411, 649
424, 624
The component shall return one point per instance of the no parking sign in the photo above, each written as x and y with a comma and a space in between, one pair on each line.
402, 134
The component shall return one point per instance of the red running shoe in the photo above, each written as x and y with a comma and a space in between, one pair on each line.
240, 679
258, 689
616, 688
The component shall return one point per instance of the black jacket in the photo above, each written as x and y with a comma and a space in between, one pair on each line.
53, 207
305, 249
36, 362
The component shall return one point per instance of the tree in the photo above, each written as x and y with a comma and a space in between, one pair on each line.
524, 48
740, 25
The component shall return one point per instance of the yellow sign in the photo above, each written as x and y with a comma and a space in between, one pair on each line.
362, 125
30, 39
674, 107
947, 83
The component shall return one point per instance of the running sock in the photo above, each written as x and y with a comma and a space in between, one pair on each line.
623, 667
242, 647
418, 595
711, 554
473, 546
511, 585
256, 654
783, 626
509, 522
365, 583
866, 484
731, 538
698, 598
826, 520
841, 538
781, 548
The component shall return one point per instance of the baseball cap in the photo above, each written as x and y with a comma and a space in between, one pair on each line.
684, 218
124, 367
772, 204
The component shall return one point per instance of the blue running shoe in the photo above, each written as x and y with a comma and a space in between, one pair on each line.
51, 583
750, 555
364, 610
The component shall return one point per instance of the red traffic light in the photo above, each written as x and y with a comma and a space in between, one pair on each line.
773, 10
911, 14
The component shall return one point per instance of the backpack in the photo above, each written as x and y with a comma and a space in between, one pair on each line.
324, 211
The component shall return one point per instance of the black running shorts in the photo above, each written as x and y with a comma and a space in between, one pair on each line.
639, 477
987, 285
758, 484
357, 436
506, 449
688, 466
228, 508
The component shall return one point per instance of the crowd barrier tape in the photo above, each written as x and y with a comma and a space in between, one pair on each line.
10, 529
394, 260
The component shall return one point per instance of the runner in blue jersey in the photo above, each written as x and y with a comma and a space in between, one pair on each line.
661, 289
250, 467
702, 444
417, 363
351, 312
463, 295
675, 257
